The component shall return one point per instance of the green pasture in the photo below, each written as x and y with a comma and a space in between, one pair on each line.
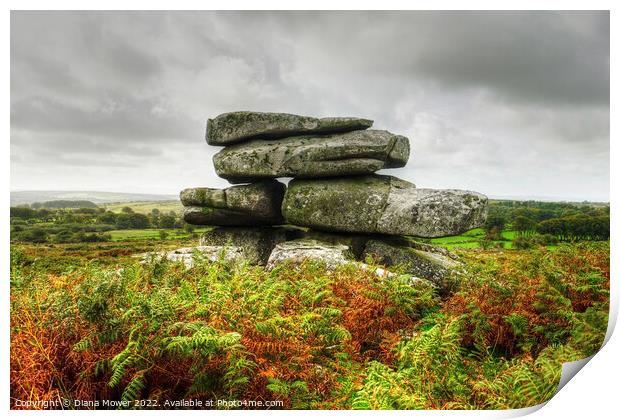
144, 234
472, 238
145, 207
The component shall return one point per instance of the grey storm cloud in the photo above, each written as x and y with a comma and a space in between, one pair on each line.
508, 103
119, 117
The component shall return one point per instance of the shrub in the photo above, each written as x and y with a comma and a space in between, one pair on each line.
522, 242
494, 234
35, 235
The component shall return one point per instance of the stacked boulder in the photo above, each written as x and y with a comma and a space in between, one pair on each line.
335, 208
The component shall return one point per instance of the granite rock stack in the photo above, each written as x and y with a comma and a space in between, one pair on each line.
335, 202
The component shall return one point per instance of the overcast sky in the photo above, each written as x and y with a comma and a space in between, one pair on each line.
504, 103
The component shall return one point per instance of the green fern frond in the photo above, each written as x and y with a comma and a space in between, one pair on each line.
134, 387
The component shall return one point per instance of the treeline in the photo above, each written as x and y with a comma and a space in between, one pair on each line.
83, 224
64, 204
538, 211
548, 222
589, 228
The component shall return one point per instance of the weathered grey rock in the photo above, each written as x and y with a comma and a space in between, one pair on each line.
381, 204
242, 205
255, 244
299, 250
356, 243
188, 255
430, 264
422, 246
234, 127
332, 255
352, 153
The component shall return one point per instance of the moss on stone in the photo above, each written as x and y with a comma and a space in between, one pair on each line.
240, 126
339, 204
255, 243
432, 266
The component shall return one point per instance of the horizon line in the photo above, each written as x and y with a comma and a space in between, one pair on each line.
490, 196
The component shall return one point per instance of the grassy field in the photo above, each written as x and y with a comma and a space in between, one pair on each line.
471, 239
143, 234
145, 207
467, 240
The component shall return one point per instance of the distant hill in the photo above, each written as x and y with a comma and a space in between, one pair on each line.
64, 204
97, 197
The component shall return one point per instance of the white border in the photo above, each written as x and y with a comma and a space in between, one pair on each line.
592, 393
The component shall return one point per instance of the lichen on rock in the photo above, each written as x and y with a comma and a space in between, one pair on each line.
353, 153
416, 259
234, 127
254, 243
300, 250
381, 204
242, 205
